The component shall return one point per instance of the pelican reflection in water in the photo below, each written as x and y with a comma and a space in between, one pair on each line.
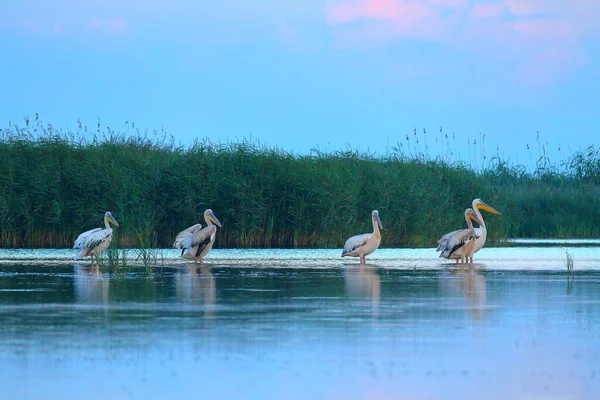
469, 283
196, 285
364, 282
90, 285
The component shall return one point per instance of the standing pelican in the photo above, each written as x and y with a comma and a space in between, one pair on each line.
481, 232
459, 244
95, 241
363, 245
196, 240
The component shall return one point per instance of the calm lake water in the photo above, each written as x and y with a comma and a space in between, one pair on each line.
304, 324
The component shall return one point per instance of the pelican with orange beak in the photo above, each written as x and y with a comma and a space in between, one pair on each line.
458, 245
481, 232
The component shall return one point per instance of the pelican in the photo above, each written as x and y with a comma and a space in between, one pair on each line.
481, 232
95, 241
198, 241
363, 245
459, 244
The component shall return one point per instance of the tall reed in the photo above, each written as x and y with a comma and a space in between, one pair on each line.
56, 184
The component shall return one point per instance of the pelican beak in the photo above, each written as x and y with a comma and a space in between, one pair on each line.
214, 219
487, 208
113, 220
474, 217
378, 221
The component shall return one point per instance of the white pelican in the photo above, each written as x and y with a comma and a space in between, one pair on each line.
363, 245
95, 241
196, 240
459, 244
481, 232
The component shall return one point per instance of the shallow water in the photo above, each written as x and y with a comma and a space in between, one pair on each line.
303, 324
528, 254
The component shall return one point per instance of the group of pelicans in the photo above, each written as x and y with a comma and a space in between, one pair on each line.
195, 242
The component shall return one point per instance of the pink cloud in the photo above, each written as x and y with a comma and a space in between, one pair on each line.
487, 10
526, 7
346, 12
527, 35
408, 12
393, 18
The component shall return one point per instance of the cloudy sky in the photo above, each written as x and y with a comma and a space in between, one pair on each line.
312, 73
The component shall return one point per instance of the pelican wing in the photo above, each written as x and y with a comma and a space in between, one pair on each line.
185, 235
444, 239
88, 241
454, 242
477, 232
201, 238
82, 239
355, 242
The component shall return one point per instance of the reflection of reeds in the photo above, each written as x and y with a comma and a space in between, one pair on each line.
53, 183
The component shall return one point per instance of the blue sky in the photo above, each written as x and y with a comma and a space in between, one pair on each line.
312, 73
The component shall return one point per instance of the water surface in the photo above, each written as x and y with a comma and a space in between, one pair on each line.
303, 324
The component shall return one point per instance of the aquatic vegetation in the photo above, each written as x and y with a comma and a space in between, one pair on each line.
151, 258
52, 183
114, 260
147, 253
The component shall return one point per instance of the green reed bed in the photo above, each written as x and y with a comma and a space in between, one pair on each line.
55, 185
